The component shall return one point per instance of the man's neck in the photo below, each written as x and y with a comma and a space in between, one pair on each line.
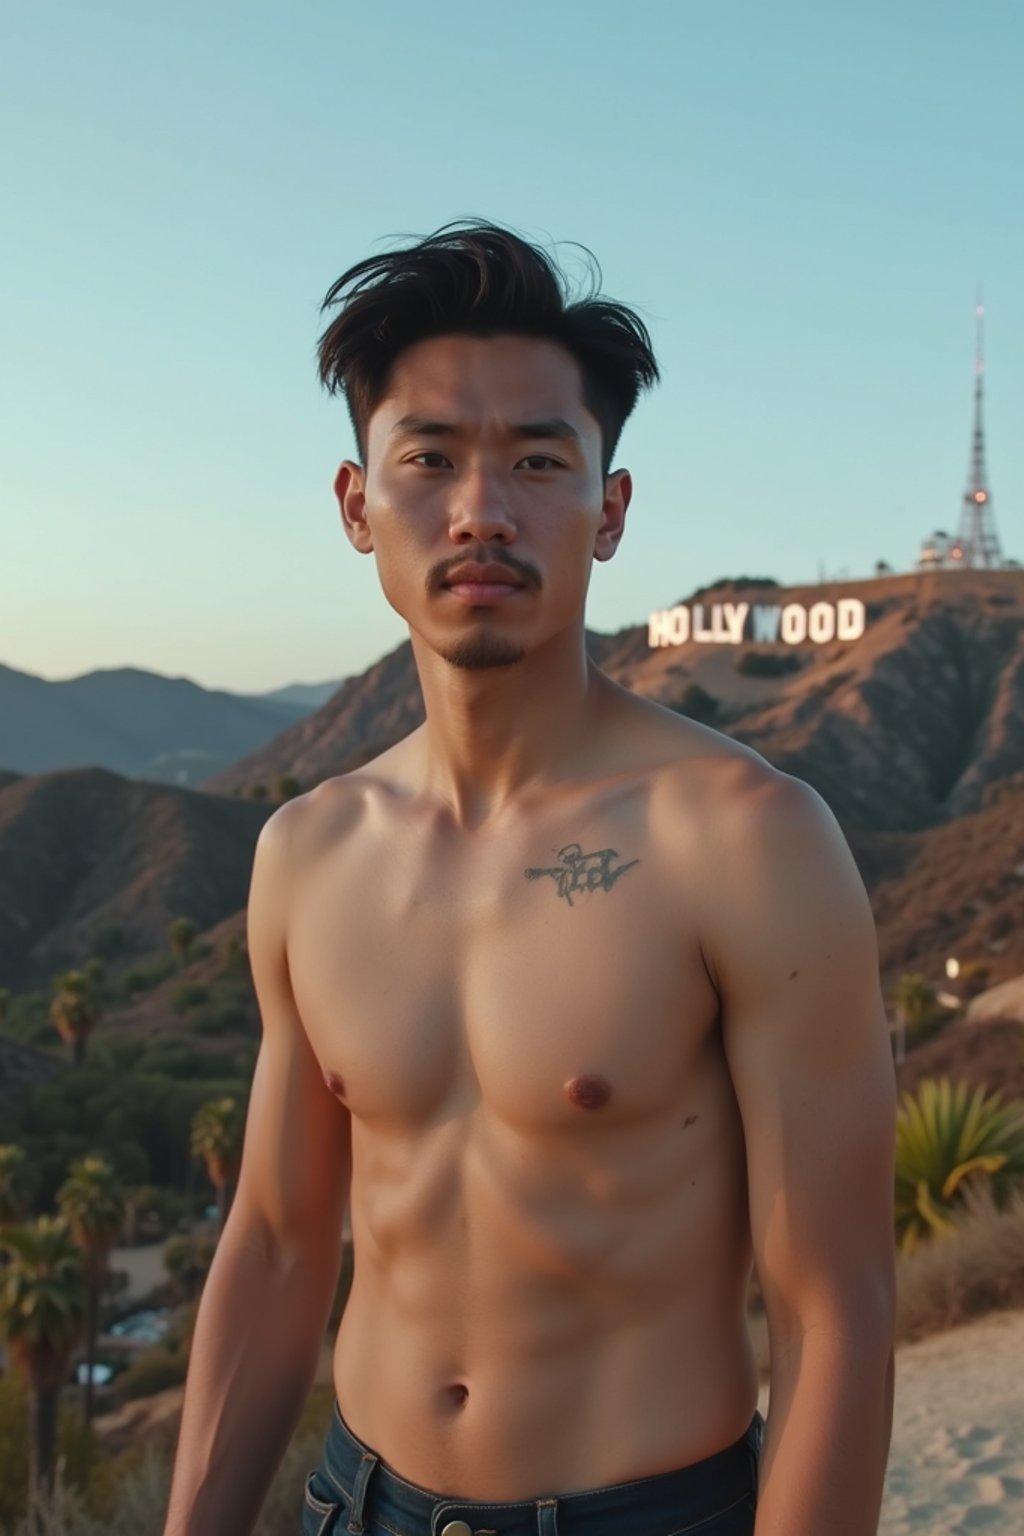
493, 732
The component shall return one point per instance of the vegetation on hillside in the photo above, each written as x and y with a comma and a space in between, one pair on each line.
166, 1108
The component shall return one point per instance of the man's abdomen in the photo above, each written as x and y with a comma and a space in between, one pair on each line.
531, 1315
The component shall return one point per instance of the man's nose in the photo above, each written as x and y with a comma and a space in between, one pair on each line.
480, 511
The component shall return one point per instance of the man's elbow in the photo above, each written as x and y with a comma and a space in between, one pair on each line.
852, 1319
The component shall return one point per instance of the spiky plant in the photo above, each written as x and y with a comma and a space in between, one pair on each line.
42, 1314
947, 1136
92, 1202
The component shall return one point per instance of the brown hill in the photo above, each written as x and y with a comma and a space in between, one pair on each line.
903, 728
82, 850
955, 890
145, 854
920, 720
987, 1055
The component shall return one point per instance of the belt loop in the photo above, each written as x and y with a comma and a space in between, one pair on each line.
755, 1446
362, 1478
547, 1517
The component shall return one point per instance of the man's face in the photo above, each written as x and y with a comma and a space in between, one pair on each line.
483, 497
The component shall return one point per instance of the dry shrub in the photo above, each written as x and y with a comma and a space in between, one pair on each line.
129, 1495
954, 1277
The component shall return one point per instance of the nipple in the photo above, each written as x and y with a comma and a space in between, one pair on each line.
589, 1091
335, 1083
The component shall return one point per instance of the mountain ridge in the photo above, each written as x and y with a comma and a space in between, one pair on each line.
138, 723
902, 728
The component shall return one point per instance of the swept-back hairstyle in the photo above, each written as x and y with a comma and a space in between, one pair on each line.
478, 279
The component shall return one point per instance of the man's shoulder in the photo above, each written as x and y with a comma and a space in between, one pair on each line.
311, 821
712, 775
740, 819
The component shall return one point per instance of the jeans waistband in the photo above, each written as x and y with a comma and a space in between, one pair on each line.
669, 1502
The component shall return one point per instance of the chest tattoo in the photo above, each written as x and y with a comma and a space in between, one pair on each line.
578, 871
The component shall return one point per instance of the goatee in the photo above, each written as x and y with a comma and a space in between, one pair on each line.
479, 651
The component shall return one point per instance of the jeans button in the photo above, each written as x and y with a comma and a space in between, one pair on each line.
456, 1528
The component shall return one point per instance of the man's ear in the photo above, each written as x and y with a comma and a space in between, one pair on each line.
350, 489
618, 492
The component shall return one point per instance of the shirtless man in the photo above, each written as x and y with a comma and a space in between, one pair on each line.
573, 1002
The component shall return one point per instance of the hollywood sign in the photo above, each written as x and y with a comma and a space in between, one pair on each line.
763, 623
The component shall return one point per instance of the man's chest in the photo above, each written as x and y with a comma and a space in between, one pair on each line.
551, 976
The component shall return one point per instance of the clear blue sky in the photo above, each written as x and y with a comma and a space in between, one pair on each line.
801, 198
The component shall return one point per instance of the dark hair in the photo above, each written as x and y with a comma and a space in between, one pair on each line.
477, 279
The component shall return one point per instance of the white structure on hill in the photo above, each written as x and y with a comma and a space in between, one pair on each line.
976, 545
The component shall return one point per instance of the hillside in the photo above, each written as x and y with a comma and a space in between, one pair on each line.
165, 729
901, 729
86, 850
83, 851
914, 733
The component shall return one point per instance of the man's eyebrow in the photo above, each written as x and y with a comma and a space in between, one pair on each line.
428, 426
551, 426
422, 426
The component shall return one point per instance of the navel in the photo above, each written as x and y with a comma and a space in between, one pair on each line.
335, 1083
589, 1091
457, 1395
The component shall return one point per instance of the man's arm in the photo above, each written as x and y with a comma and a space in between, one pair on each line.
265, 1305
794, 953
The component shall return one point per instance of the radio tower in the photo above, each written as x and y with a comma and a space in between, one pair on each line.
977, 541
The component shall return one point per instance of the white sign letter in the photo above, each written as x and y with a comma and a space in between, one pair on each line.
657, 628
794, 623
766, 624
735, 618
821, 623
852, 618
700, 630
679, 624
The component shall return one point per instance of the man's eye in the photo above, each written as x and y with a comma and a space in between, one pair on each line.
430, 459
539, 461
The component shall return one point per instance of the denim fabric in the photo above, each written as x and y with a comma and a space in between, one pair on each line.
352, 1493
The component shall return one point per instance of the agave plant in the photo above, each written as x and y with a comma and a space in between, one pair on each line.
948, 1137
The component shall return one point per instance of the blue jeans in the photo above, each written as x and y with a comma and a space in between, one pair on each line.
353, 1492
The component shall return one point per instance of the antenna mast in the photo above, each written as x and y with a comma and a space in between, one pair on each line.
978, 541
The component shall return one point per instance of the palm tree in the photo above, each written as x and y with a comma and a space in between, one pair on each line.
917, 1007
16, 1185
75, 1011
42, 1311
916, 999
93, 1204
181, 934
948, 1137
217, 1130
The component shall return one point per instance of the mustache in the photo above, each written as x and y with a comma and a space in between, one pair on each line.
438, 574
